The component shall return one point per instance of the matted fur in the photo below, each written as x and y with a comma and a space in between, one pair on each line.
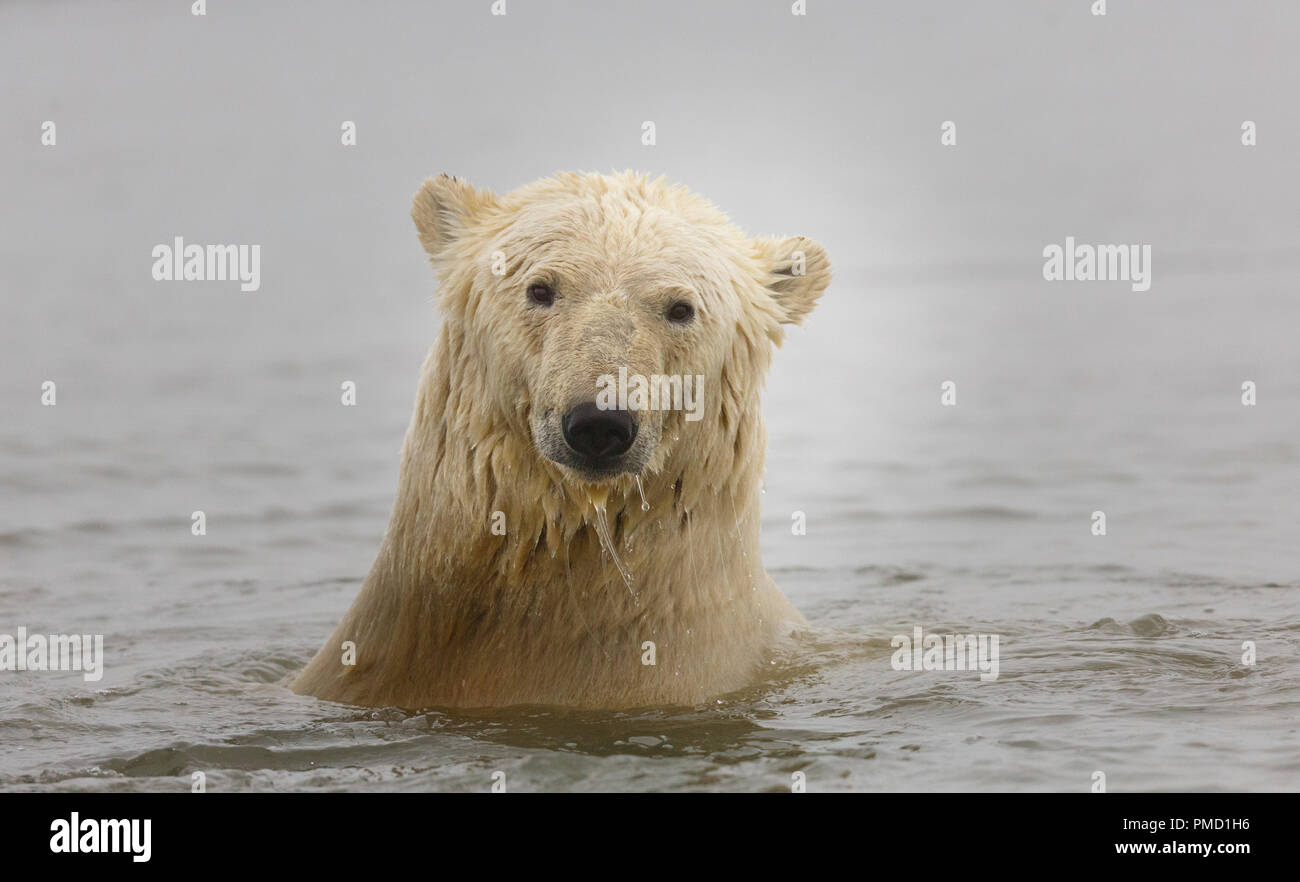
452, 615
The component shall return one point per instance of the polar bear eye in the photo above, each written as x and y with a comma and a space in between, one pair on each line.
681, 312
541, 293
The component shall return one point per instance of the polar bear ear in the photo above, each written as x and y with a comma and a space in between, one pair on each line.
444, 207
797, 272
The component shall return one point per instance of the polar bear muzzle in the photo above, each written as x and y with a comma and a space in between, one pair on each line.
599, 437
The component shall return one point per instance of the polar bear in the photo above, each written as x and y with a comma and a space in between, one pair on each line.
552, 542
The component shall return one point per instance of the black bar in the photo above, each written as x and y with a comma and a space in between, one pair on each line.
621, 832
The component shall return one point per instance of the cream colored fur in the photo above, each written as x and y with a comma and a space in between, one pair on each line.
452, 615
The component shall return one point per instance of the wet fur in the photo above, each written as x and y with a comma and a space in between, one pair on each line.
452, 615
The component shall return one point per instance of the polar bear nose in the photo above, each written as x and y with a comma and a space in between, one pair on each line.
598, 434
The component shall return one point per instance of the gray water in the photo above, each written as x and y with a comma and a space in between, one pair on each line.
1119, 653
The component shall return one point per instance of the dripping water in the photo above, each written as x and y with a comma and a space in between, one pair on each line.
599, 496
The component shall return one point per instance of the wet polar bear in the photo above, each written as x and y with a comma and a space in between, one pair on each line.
521, 565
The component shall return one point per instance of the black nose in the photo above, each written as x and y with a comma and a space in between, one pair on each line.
599, 434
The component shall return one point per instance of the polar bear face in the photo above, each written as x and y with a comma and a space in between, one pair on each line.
614, 319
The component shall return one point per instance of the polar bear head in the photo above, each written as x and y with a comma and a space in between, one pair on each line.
623, 324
